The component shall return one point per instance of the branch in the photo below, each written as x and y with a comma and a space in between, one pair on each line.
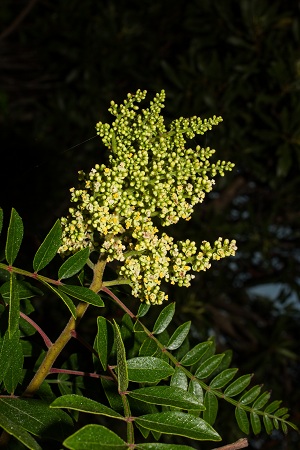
241, 443
18, 20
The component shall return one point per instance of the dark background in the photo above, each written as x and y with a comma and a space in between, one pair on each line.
60, 65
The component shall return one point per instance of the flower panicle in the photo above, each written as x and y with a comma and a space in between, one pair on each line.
152, 179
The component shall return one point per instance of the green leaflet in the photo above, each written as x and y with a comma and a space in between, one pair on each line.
250, 396
268, 424
168, 396
148, 369
196, 389
255, 422
178, 336
223, 378
177, 422
25, 290
196, 353
36, 417
73, 264
238, 385
14, 306
179, 379
11, 361
242, 420
148, 347
164, 318
84, 404
261, 401
121, 361
211, 407
48, 248
104, 340
14, 237
208, 366
143, 309
12, 427
157, 446
64, 297
82, 293
95, 437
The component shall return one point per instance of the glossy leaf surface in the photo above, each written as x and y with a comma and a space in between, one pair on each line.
168, 396
238, 385
148, 369
82, 293
178, 336
158, 446
84, 404
64, 297
176, 422
36, 417
48, 248
164, 318
211, 405
104, 340
208, 366
11, 361
223, 378
255, 422
195, 353
250, 396
73, 264
12, 427
14, 237
261, 400
242, 420
95, 437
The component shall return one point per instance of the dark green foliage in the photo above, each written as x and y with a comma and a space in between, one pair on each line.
157, 395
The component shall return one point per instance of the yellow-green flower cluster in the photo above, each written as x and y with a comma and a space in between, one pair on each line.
151, 180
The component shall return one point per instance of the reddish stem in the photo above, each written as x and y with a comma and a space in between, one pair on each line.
47, 341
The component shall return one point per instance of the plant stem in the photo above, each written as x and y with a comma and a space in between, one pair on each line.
56, 348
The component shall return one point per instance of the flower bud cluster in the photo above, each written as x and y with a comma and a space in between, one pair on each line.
151, 178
